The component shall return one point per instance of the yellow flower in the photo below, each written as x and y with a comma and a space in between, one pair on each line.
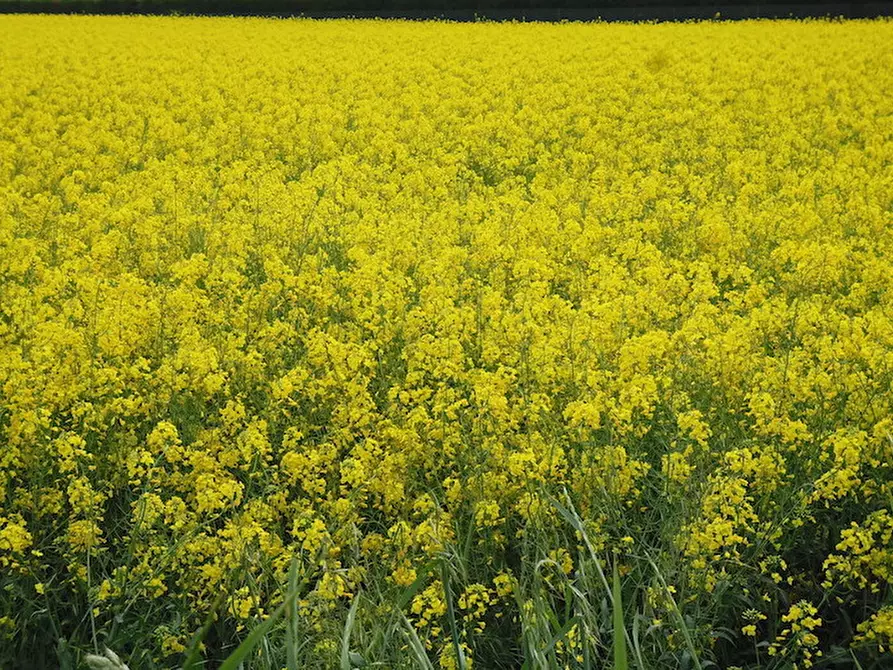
343, 300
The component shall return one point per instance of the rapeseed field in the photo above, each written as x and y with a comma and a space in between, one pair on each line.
428, 345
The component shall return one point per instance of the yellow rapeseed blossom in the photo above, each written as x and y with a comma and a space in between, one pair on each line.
356, 299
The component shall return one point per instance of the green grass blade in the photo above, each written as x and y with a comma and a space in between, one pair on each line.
637, 647
416, 644
451, 613
560, 635
291, 620
249, 643
345, 638
192, 655
413, 588
620, 661
680, 620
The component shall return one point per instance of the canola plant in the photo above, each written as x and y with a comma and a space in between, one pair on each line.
440, 324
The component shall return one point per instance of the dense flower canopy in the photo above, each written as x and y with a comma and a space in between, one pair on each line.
370, 294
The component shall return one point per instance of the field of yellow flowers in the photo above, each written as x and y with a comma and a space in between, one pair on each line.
427, 345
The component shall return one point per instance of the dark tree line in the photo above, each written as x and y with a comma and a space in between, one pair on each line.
470, 9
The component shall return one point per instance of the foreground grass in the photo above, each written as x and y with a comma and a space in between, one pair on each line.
414, 345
